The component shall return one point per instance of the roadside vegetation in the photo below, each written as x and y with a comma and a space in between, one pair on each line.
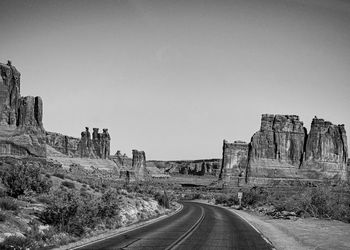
323, 201
42, 207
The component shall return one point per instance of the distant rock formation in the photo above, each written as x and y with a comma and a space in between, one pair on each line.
282, 149
234, 160
139, 164
326, 150
276, 150
188, 167
67, 145
122, 160
97, 147
21, 129
132, 169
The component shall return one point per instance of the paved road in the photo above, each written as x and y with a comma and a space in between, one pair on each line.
197, 226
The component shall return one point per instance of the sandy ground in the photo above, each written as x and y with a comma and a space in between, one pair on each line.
300, 234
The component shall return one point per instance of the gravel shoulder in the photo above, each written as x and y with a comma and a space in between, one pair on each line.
301, 233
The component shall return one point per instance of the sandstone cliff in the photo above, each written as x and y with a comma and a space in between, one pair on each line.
67, 145
21, 129
234, 160
97, 147
326, 152
276, 150
283, 150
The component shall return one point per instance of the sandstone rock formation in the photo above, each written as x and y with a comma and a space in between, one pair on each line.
21, 128
65, 144
188, 167
282, 150
326, 151
139, 164
234, 160
97, 147
122, 160
276, 150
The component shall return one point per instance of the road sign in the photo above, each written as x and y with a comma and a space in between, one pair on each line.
240, 195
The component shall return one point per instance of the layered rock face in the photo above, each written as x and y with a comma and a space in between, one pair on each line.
283, 150
276, 150
139, 164
22, 133
234, 160
97, 147
326, 152
65, 144
188, 167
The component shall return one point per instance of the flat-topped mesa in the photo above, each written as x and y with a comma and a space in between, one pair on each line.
139, 164
234, 161
326, 151
277, 149
22, 132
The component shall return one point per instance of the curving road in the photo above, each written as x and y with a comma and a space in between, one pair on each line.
196, 226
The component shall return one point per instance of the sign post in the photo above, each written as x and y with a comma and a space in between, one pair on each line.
240, 195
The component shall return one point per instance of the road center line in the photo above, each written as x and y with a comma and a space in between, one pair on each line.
188, 233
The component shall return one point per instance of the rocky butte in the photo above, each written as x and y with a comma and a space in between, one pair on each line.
21, 129
234, 161
282, 150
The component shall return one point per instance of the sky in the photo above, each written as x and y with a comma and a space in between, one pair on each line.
175, 78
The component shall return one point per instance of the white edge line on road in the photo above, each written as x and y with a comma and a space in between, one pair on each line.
128, 230
250, 224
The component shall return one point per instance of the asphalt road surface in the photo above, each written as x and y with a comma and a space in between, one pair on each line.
196, 226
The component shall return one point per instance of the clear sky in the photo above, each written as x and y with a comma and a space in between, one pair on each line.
175, 78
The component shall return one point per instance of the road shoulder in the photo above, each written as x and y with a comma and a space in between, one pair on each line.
299, 234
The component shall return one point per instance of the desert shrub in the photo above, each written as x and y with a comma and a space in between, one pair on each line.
255, 196
2, 217
320, 202
48, 176
162, 199
6, 203
59, 175
70, 212
68, 184
226, 199
17, 242
62, 210
21, 178
108, 204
